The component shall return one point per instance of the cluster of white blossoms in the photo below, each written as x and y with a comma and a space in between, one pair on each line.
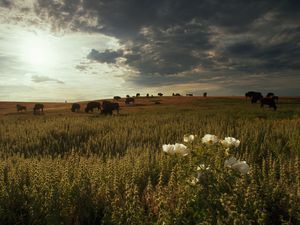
229, 142
209, 139
240, 166
177, 149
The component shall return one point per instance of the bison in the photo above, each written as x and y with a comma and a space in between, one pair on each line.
75, 107
137, 95
205, 94
20, 108
189, 94
128, 100
117, 98
38, 108
108, 107
268, 101
254, 96
91, 106
160, 94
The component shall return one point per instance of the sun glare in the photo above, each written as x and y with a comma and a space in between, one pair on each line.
39, 51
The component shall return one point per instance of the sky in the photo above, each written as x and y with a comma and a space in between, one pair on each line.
57, 50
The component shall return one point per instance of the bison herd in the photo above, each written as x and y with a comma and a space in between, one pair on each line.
269, 100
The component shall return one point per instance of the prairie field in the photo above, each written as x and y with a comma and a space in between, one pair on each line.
77, 168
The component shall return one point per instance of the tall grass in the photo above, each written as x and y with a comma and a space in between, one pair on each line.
75, 169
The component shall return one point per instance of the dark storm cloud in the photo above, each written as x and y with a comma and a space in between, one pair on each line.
164, 39
104, 57
40, 79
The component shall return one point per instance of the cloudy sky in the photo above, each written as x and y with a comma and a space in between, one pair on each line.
52, 50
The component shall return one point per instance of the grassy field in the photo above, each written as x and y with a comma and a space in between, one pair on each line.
78, 168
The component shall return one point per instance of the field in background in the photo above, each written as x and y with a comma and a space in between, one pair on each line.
78, 168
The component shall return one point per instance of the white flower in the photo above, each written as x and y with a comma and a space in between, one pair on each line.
181, 149
229, 142
169, 149
229, 162
202, 167
210, 139
188, 138
194, 180
241, 166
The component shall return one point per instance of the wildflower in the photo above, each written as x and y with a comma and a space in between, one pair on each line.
210, 139
229, 142
202, 167
188, 138
181, 149
169, 149
229, 162
241, 166
194, 180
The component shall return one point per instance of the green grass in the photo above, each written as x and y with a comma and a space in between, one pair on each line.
64, 168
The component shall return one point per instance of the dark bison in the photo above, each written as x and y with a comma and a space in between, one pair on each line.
38, 108
254, 96
91, 106
205, 94
137, 95
108, 107
160, 94
75, 107
127, 96
270, 95
268, 101
177, 94
117, 98
20, 108
147, 95
128, 100
189, 94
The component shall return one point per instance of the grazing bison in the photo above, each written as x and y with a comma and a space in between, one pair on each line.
75, 107
91, 106
254, 96
128, 100
160, 94
189, 94
117, 98
205, 94
108, 107
268, 101
20, 108
38, 108
147, 95
177, 94
127, 96
137, 95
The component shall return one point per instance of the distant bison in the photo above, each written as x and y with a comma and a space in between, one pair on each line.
177, 94
254, 96
270, 94
205, 94
268, 101
108, 107
127, 96
129, 100
160, 94
189, 94
75, 107
117, 98
21, 108
138, 95
38, 108
91, 106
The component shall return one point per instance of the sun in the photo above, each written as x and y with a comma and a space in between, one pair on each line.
39, 51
